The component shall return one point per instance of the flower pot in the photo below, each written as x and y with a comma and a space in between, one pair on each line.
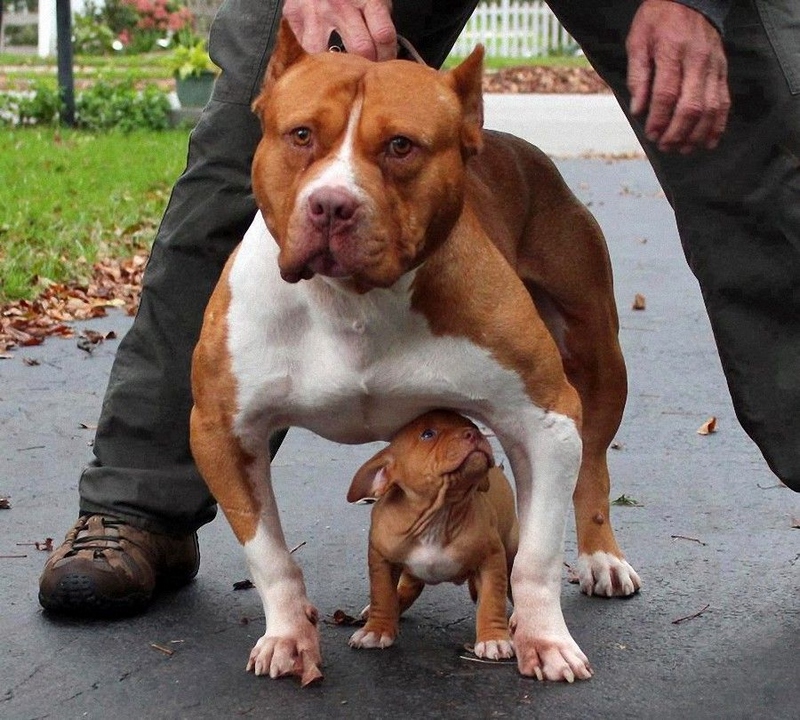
195, 90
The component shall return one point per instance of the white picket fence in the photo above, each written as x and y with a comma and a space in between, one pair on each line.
507, 28
514, 29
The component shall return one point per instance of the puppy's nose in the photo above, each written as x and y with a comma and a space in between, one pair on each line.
329, 207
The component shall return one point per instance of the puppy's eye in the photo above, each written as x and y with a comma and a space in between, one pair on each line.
301, 136
427, 434
400, 146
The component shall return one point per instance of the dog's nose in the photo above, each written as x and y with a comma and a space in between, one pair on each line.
331, 207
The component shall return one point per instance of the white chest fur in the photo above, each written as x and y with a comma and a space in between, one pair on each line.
350, 367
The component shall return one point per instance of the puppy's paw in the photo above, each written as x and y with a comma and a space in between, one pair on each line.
607, 575
371, 638
494, 649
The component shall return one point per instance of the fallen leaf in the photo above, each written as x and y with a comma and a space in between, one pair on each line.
572, 574
340, 617
708, 427
639, 302
5, 503
626, 501
243, 585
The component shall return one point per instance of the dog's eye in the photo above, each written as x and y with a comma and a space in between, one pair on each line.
400, 146
301, 136
427, 434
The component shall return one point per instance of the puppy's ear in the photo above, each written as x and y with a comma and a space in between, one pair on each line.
373, 478
466, 80
287, 52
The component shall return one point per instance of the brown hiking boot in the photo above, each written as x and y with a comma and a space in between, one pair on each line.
107, 568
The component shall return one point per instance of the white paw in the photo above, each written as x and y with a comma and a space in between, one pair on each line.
294, 650
548, 654
607, 575
494, 649
368, 639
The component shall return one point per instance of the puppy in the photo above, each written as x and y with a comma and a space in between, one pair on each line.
444, 513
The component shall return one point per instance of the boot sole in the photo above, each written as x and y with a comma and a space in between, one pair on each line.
75, 595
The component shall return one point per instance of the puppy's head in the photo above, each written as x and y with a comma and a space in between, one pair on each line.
360, 171
440, 454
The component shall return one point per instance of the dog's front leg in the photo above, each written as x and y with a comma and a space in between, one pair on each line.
545, 460
241, 484
290, 645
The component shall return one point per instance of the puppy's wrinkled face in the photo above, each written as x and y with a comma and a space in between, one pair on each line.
440, 450
442, 447
360, 171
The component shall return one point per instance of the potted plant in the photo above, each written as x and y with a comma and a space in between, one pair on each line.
194, 73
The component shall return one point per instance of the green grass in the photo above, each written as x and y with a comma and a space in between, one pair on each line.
20, 70
68, 198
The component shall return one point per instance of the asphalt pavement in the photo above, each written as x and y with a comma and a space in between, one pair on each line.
714, 633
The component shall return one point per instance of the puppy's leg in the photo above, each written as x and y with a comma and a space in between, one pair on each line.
409, 589
545, 451
492, 636
382, 624
241, 484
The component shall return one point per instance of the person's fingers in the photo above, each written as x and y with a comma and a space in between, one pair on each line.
664, 94
685, 91
640, 72
381, 28
709, 128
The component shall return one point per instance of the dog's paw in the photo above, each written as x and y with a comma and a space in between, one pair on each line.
367, 638
548, 656
607, 575
295, 651
494, 649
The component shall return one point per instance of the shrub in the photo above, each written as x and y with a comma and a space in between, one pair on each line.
102, 106
90, 36
40, 106
119, 105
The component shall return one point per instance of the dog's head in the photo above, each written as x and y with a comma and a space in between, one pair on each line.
440, 455
360, 170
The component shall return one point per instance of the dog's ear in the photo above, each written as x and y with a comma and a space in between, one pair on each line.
466, 79
287, 52
373, 478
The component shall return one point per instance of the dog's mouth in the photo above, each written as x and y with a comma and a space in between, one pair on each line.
322, 263
474, 466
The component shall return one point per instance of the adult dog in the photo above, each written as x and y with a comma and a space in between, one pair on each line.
404, 260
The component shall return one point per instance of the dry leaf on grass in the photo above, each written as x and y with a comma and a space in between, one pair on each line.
114, 283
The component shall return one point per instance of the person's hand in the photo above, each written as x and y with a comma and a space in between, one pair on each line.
365, 26
678, 75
